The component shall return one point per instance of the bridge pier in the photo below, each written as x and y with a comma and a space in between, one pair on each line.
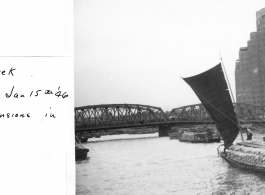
163, 130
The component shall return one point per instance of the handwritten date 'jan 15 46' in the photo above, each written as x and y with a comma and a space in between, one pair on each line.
58, 93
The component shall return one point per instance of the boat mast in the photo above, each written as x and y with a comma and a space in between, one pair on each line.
232, 97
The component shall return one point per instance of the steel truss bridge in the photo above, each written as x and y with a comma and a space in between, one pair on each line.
247, 113
115, 116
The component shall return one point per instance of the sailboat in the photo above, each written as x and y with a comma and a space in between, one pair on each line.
212, 90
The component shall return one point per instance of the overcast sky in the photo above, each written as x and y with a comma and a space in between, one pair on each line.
136, 51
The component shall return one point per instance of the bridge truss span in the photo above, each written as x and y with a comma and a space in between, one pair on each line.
197, 112
105, 116
249, 112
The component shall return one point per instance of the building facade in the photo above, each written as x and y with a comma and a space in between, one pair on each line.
250, 67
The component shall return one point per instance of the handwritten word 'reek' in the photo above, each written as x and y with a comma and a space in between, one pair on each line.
3, 72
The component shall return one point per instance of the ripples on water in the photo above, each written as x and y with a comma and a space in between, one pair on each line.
160, 166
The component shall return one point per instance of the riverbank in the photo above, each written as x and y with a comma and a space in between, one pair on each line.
122, 137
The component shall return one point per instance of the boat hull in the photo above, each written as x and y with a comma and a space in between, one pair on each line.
200, 141
83, 139
216, 140
233, 163
81, 153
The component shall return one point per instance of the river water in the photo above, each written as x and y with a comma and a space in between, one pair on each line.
148, 164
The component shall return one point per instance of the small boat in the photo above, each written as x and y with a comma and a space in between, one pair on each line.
200, 139
83, 139
200, 135
80, 150
212, 90
246, 155
97, 135
174, 135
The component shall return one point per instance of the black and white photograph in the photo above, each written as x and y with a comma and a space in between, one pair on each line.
169, 97
132, 97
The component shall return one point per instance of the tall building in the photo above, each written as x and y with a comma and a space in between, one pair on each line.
250, 67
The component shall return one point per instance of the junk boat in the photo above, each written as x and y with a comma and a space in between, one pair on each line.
97, 135
212, 90
80, 150
174, 135
199, 135
84, 137
177, 132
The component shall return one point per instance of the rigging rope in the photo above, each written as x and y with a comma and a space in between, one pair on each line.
231, 95
216, 108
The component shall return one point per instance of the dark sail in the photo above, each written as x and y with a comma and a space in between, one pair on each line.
211, 88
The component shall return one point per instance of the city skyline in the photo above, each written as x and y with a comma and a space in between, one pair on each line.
250, 66
136, 52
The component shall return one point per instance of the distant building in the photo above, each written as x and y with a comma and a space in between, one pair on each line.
250, 67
